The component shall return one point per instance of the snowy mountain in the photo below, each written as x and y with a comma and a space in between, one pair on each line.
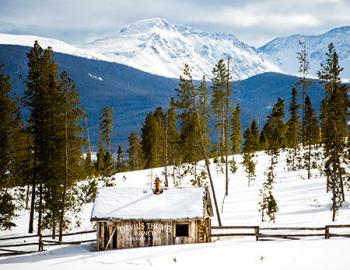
282, 51
156, 46
57, 45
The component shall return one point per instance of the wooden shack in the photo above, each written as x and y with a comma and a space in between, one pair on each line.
142, 217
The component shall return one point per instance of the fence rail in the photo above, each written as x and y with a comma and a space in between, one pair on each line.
293, 228
39, 243
18, 237
14, 252
223, 231
225, 234
53, 242
295, 236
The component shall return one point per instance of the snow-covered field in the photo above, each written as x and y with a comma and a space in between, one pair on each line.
228, 254
301, 202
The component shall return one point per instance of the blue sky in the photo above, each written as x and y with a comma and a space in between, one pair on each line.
254, 22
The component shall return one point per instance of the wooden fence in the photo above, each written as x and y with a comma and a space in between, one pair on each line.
228, 234
39, 241
264, 233
260, 233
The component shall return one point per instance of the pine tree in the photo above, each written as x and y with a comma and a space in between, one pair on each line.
192, 105
44, 99
185, 104
148, 139
71, 116
99, 164
254, 136
135, 152
222, 91
106, 126
108, 165
274, 131
10, 132
202, 139
334, 110
311, 135
235, 136
32, 95
54, 123
172, 138
105, 163
274, 128
120, 160
236, 130
218, 103
160, 137
88, 165
262, 140
25, 155
248, 152
304, 82
268, 204
293, 132
203, 104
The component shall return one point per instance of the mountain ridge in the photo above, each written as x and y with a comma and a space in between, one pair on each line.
57, 45
161, 48
133, 93
282, 51
156, 46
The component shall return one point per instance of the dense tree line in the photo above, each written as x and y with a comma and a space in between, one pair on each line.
55, 128
44, 151
14, 152
334, 128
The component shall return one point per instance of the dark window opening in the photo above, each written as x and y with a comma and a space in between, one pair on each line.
182, 230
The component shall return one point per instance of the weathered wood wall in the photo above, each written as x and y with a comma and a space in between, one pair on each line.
130, 234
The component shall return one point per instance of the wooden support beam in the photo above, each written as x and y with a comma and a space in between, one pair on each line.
98, 236
102, 235
111, 237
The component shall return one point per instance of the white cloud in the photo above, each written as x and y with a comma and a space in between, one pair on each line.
246, 18
255, 21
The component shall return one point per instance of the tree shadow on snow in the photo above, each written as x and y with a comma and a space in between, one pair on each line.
84, 250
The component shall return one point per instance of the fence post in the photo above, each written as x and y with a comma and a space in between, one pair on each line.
40, 243
257, 231
326, 234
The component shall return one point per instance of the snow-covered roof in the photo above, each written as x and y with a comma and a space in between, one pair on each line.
118, 203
